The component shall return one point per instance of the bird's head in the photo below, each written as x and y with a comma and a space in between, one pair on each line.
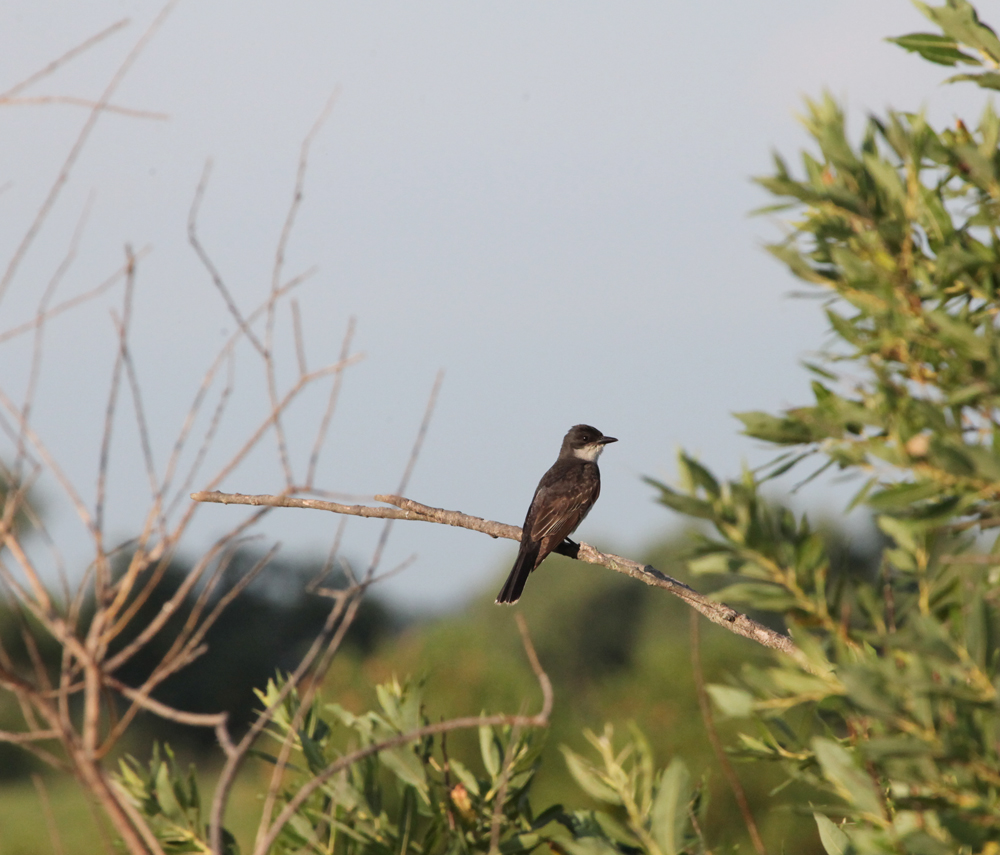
584, 442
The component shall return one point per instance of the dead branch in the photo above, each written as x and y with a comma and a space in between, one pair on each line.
407, 509
331, 405
70, 702
209, 265
276, 277
42, 100
72, 302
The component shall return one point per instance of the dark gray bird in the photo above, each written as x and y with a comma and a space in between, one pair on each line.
562, 499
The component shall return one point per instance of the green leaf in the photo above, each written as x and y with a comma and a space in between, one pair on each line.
713, 563
403, 760
687, 505
903, 532
900, 496
589, 846
165, 793
834, 841
940, 49
588, 778
880, 748
669, 816
759, 595
731, 701
986, 80
795, 682
811, 554
697, 476
464, 775
776, 429
959, 21
490, 751
850, 781
313, 753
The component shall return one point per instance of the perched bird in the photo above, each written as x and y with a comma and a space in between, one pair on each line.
562, 499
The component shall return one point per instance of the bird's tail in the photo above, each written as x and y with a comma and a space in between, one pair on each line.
526, 557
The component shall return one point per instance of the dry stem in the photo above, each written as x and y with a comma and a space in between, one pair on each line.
407, 509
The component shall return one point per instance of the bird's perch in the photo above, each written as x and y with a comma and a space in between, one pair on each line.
406, 509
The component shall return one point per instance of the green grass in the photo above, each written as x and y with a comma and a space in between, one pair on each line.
24, 829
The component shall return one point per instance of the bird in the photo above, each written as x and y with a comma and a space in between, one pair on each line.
562, 499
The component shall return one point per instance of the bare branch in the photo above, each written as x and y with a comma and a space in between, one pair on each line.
42, 100
72, 302
202, 254
297, 193
300, 344
36, 354
276, 277
101, 570
331, 405
171, 606
141, 697
140, 411
406, 509
17, 738
225, 356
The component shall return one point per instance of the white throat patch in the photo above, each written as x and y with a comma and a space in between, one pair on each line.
589, 452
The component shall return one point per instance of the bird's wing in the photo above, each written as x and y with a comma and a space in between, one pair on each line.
560, 514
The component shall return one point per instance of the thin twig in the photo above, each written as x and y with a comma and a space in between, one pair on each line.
501, 794
170, 607
37, 349
225, 356
101, 571
73, 52
331, 406
342, 616
206, 260
71, 302
43, 100
300, 344
163, 710
276, 278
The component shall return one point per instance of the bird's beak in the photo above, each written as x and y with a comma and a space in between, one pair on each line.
604, 440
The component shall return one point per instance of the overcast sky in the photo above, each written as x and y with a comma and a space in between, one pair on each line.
546, 200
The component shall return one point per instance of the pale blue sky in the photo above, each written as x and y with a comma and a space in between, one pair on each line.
548, 200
